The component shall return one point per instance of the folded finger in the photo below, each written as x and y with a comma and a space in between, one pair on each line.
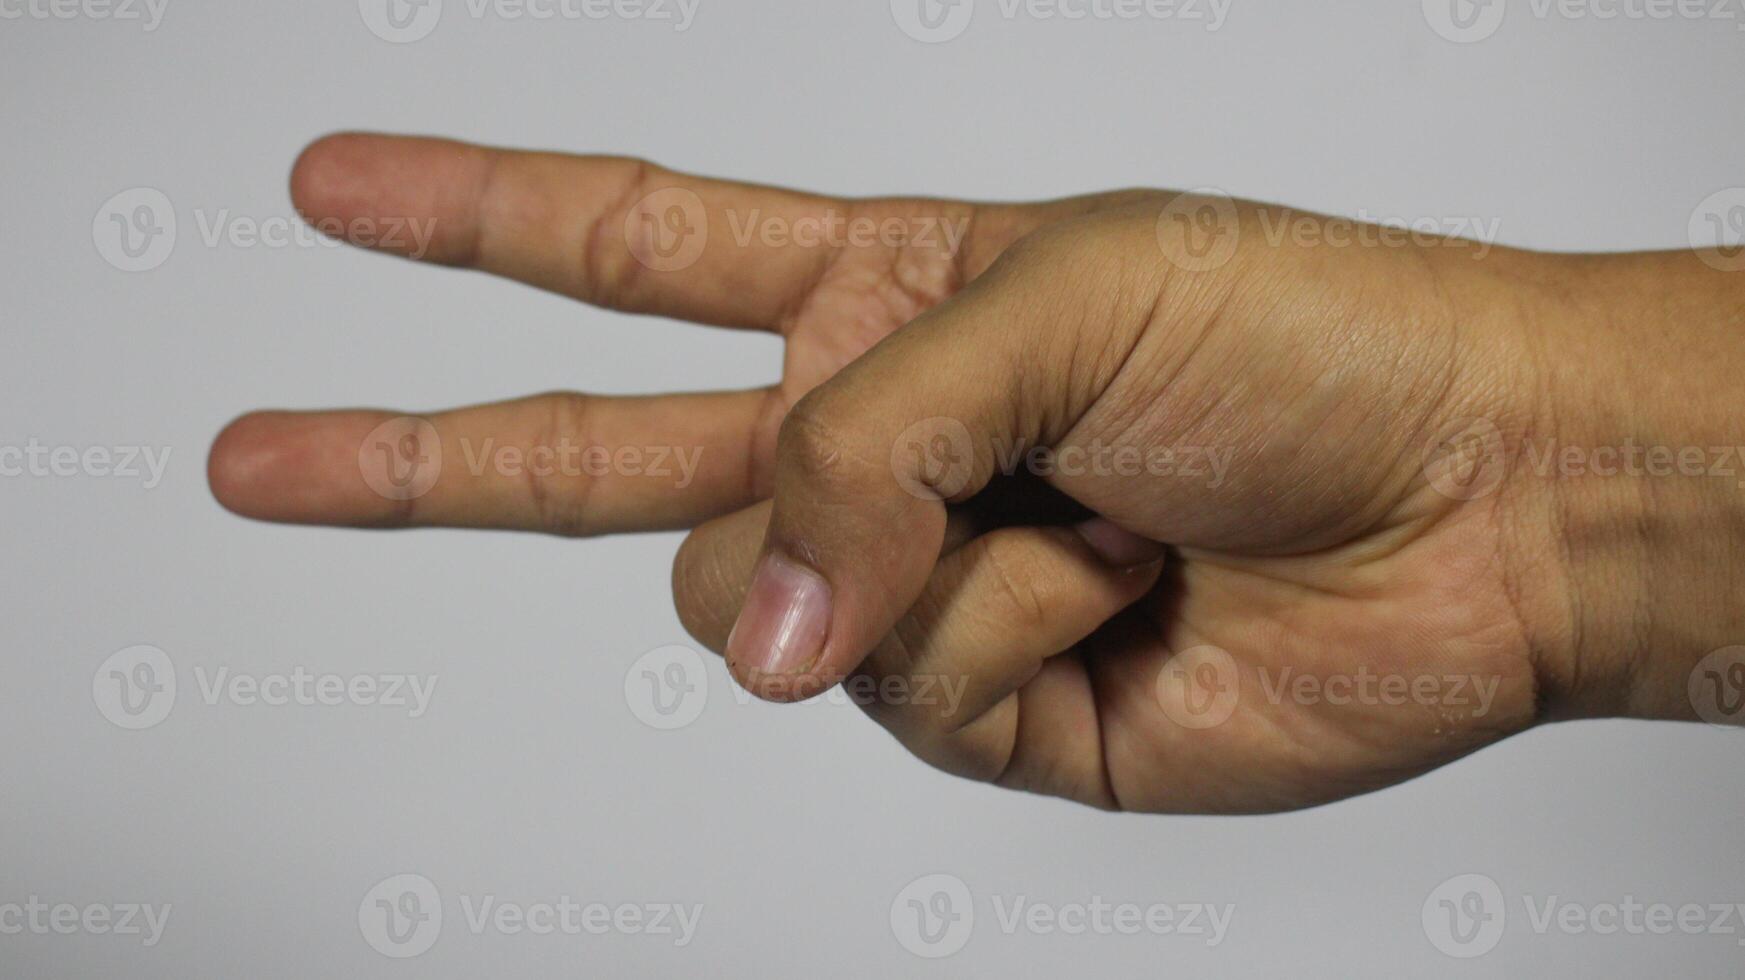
998, 608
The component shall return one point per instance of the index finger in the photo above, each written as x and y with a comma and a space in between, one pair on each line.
615, 232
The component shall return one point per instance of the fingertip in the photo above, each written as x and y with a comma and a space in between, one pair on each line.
389, 193
778, 688
294, 467
324, 169
712, 570
703, 601
784, 623
1117, 546
235, 463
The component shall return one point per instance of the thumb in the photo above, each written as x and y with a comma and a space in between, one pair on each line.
866, 463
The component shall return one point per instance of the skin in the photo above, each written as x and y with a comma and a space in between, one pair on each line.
1375, 401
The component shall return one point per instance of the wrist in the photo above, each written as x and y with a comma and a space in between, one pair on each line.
1630, 483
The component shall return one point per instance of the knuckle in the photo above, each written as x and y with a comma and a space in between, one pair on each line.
613, 264
1073, 241
980, 752
1022, 597
705, 602
1038, 245
558, 496
812, 446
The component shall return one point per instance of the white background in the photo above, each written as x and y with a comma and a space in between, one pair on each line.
531, 777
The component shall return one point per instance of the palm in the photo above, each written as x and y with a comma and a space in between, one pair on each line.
1293, 711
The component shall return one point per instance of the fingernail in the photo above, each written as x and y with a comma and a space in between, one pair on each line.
1117, 547
782, 625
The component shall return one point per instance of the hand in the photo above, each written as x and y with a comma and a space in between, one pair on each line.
1317, 378
1384, 576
